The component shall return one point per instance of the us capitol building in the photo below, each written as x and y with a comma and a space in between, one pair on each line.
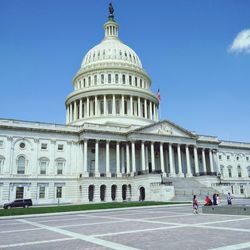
113, 147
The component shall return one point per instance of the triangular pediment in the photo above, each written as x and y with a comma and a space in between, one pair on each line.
165, 127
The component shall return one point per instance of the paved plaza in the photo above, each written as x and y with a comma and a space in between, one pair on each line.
137, 228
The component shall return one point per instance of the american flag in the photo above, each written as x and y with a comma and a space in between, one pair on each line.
159, 95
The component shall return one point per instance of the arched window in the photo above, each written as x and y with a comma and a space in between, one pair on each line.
2, 159
91, 192
239, 171
43, 163
102, 192
21, 165
113, 192
123, 79
60, 163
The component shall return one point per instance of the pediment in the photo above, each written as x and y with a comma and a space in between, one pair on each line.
165, 128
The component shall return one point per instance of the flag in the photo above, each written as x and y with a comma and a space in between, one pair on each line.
159, 95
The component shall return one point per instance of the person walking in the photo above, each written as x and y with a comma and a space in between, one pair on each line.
195, 205
218, 199
214, 199
229, 199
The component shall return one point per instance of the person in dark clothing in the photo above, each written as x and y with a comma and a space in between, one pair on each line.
214, 199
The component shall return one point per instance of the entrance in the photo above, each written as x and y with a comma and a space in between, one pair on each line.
91, 192
142, 194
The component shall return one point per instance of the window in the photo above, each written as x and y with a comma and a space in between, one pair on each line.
44, 146
109, 107
130, 80
125, 107
60, 147
241, 189
22, 145
116, 78
247, 158
21, 165
41, 192
237, 158
89, 81
95, 79
136, 81
19, 192
123, 79
109, 78
58, 192
102, 79
117, 107
84, 82
230, 172
43, 165
248, 170
59, 167
222, 171
101, 108
239, 171
228, 157
141, 83
1, 144
220, 157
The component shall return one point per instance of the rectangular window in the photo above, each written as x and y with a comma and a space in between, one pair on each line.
102, 79
220, 157
44, 146
228, 157
230, 173
95, 79
84, 83
241, 189
141, 83
116, 78
247, 158
43, 165
59, 168
19, 192
117, 107
130, 80
60, 147
109, 78
58, 192
101, 108
89, 81
1, 144
123, 79
136, 81
109, 107
41, 192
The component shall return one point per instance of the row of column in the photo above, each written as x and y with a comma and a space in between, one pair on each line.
134, 106
144, 160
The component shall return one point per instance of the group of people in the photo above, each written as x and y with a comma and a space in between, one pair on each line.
208, 202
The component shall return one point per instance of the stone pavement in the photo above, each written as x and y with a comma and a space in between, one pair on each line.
139, 228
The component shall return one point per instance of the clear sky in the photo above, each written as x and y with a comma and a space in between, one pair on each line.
193, 51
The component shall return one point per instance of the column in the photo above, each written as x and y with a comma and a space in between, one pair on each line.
150, 110
97, 174
211, 160
85, 158
75, 109
146, 158
127, 158
105, 104
143, 156
156, 113
154, 118
123, 159
80, 109
67, 114
152, 156
204, 161
114, 106
179, 161
171, 165
189, 172
96, 106
133, 158
196, 163
145, 109
118, 172
122, 113
131, 106
108, 174
70, 113
139, 107
87, 111
162, 159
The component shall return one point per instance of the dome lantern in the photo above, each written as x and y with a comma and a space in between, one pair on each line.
111, 27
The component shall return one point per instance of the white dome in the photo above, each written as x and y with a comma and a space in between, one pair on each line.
111, 49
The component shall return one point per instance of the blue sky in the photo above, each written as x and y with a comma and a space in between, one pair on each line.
183, 45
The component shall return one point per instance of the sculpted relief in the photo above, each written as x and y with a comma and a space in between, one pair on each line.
165, 130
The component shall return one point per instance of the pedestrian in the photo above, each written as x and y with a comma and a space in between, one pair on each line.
214, 199
208, 201
218, 199
229, 199
195, 205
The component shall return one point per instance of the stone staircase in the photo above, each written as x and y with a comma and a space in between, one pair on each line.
185, 188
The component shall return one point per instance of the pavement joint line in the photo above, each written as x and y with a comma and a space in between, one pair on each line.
34, 243
234, 247
90, 224
20, 230
223, 221
89, 211
222, 228
101, 242
136, 231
